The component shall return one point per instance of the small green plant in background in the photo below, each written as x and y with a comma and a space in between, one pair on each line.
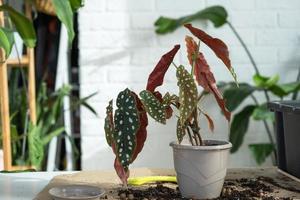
30, 142
24, 26
271, 88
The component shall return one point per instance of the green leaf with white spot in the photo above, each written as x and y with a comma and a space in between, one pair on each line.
153, 106
169, 99
187, 93
109, 123
126, 123
181, 131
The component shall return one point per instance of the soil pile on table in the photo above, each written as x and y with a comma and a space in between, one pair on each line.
252, 189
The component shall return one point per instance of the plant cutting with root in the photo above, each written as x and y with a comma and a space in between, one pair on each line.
126, 129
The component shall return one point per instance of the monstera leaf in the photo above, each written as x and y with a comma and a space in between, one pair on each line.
262, 112
126, 123
216, 14
153, 106
187, 93
156, 77
285, 89
264, 81
261, 151
236, 95
239, 127
216, 45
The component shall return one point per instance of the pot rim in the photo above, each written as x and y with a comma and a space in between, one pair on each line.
221, 145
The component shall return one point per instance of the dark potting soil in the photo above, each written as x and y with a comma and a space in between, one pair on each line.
240, 189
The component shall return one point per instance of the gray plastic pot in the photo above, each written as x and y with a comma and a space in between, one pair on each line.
201, 170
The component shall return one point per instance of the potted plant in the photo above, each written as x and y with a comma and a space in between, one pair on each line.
200, 165
255, 109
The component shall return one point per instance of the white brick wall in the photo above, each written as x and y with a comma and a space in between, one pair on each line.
118, 49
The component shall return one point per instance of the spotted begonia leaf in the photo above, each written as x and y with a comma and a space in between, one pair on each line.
181, 131
109, 123
215, 44
167, 100
153, 106
126, 126
187, 93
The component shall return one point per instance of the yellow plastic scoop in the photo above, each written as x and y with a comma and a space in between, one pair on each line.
151, 179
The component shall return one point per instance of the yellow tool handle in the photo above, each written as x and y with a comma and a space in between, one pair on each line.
151, 179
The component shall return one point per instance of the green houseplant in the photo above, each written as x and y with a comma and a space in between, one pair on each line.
24, 26
30, 141
126, 129
268, 86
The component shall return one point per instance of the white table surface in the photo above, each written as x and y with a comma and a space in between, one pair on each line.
24, 186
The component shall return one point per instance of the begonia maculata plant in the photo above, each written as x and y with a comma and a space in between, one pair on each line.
126, 128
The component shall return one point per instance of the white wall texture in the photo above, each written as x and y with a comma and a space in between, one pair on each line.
118, 49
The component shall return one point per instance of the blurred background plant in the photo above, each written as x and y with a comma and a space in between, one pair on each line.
270, 86
30, 141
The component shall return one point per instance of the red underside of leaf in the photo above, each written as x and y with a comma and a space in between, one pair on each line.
156, 77
220, 100
121, 172
210, 122
142, 132
203, 74
217, 45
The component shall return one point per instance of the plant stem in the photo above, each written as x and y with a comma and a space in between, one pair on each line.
244, 46
248, 54
257, 72
190, 136
197, 127
265, 122
174, 65
267, 129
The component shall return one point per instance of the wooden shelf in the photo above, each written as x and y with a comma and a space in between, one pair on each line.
15, 168
23, 62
